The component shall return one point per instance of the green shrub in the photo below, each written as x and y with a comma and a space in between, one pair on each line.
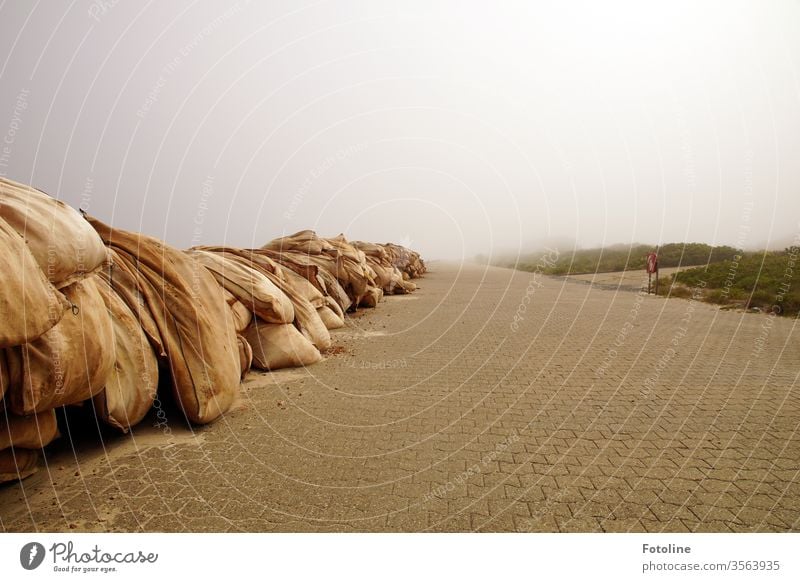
758, 278
678, 291
717, 296
628, 258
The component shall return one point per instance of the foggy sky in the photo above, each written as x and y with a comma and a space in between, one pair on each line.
455, 127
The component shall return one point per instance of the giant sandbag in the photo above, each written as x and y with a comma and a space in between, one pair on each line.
241, 315
253, 259
303, 288
333, 305
297, 262
63, 244
301, 293
373, 250
320, 277
383, 274
27, 432
126, 281
3, 376
335, 290
305, 241
351, 275
396, 284
131, 387
277, 346
407, 261
345, 247
336, 255
372, 297
254, 290
68, 364
354, 268
29, 304
400, 285
330, 318
245, 355
306, 319
17, 464
193, 319
387, 276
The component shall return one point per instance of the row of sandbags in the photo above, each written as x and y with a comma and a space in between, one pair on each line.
364, 271
46, 280
408, 262
99, 316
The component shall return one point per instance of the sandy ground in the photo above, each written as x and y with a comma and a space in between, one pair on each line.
624, 280
491, 400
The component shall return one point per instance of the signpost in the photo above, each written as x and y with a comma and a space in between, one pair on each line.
652, 268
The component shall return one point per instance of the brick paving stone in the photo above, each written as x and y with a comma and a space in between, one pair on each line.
445, 413
625, 525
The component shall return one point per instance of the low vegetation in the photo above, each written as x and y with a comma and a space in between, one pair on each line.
624, 258
764, 280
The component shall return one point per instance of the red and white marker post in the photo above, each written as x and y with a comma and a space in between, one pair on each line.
652, 268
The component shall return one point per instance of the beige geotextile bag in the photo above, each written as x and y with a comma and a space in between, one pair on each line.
29, 304
254, 290
245, 355
27, 432
241, 315
131, 388
305, 241
68, 364
306, 317
127, 283
372, 297
193, 320
17, 464
64, 245
330, 318
320, 277
277, 346
3, 376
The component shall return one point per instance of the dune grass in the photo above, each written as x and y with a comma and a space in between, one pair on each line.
766, 280
624, 258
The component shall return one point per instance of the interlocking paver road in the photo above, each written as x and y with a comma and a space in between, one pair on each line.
591, 410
